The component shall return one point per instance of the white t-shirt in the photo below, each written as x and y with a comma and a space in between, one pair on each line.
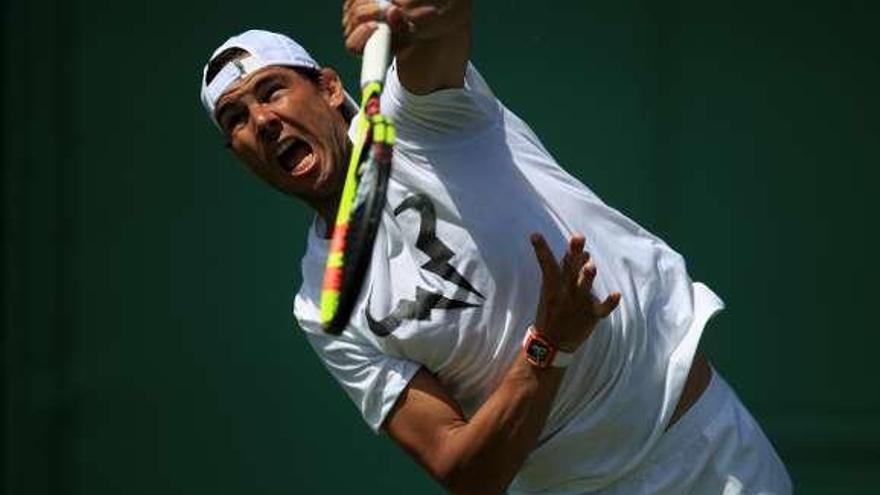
454, 285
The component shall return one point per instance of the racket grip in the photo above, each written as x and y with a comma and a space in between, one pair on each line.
377, 56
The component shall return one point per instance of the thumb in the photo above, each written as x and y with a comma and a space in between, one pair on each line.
397, 20
604, 308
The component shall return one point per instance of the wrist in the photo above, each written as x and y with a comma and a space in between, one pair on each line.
563, 345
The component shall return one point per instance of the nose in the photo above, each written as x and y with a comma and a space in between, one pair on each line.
267, 123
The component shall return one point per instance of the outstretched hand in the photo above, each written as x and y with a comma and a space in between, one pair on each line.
568, 311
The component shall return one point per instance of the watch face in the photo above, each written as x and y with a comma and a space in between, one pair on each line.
538, 352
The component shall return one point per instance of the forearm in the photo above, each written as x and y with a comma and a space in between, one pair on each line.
435, 47
483, 454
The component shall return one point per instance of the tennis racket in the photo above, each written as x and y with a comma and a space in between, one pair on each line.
363, 195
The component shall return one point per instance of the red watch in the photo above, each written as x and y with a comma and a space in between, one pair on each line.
543, 353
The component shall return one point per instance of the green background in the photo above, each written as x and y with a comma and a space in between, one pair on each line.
148, 343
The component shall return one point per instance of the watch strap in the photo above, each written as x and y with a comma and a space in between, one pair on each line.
562, 359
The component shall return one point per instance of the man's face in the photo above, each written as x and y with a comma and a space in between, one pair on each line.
289, 131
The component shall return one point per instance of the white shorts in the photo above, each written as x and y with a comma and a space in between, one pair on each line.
715, 448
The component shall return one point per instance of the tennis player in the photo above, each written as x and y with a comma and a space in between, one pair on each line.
515, 334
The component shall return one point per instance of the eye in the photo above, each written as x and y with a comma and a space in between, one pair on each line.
273, 92
230, 121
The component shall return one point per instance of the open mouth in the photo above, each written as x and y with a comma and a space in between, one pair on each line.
295, 156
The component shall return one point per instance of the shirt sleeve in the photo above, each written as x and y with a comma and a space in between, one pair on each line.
443, 117
373, 380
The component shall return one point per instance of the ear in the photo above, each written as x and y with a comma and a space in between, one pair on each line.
331, 85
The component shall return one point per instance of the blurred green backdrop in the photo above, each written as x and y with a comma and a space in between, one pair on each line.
148, 345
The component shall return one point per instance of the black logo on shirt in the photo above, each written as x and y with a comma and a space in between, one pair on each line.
439, 254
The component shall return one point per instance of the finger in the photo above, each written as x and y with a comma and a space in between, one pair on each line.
586, 275
356, 41
398, 21
604, 308
546, 260
574, 276
570, 265
576, 243
422, 22
346, 5
413, 3
421, 13
346, 10
360, 14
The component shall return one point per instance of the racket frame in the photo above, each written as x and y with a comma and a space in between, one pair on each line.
358, 218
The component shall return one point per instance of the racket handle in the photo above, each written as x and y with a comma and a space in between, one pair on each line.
377, 56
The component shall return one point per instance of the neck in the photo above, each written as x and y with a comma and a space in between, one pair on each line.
328, 207
328, 215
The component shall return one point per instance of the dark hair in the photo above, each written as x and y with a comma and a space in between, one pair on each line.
234, 53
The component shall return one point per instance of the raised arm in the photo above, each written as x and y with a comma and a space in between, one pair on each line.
482, 454
432, 38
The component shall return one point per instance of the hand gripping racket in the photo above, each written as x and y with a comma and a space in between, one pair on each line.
363, 195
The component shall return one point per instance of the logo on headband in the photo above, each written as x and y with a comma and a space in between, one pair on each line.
240, 66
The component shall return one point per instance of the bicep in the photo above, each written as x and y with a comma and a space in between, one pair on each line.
422, 421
